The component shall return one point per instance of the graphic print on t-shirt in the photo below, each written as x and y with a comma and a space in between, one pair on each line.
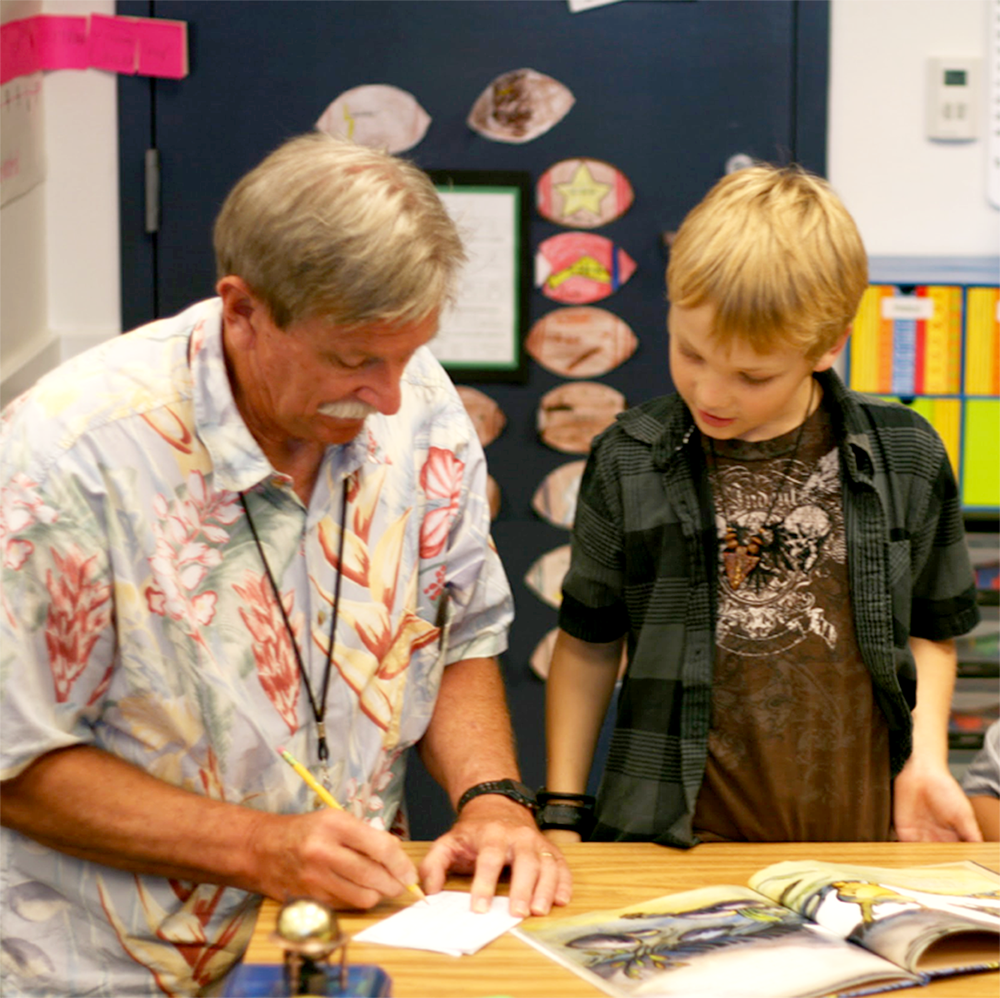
784, 598
798, 749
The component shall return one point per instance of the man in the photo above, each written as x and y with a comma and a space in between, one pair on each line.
259, 525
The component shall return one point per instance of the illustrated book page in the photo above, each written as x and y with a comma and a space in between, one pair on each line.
715, 942
931, 919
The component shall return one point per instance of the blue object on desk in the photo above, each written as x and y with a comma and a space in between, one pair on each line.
267, 980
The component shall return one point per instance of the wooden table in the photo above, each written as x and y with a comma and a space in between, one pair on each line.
612, 875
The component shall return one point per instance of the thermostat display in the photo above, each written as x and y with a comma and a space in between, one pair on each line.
952, 109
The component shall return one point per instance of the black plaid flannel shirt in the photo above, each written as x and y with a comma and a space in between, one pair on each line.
645, 564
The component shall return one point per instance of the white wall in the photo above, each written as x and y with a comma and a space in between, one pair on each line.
25, 342
59, 257
60, 273
910, 196
81, 201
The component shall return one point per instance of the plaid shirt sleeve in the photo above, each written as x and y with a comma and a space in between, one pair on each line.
944, 595
592, 606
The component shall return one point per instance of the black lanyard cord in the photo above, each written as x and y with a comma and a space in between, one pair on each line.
318, 709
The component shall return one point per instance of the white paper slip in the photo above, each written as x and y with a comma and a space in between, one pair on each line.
445, 925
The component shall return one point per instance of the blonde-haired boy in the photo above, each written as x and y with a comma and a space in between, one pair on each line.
784, 559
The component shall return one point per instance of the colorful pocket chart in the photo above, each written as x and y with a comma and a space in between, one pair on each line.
938, 348
908, 344
981, 477
982, 341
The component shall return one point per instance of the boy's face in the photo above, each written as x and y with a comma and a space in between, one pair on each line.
733, 392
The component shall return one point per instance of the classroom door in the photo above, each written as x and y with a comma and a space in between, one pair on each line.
666, 91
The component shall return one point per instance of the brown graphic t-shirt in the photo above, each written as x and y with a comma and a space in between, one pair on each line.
798, 749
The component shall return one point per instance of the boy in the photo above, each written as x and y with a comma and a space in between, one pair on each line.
784, 558
981, 783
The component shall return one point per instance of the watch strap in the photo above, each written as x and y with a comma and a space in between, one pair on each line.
517, 792
571, 812
567, 817
546, 796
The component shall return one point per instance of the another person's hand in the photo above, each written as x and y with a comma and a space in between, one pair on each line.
493, 833
987, 811
331, 856
562, 837
929, 806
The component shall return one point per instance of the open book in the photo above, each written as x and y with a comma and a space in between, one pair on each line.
803, 929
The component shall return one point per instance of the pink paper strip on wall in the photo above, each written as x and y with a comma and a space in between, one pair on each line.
63, 42
113, 44
18, 50
162, 48
147, 46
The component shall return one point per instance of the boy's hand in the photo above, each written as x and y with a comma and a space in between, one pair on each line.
929, 806
562, 836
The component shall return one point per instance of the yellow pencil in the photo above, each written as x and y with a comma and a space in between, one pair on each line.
327, 798
321, 792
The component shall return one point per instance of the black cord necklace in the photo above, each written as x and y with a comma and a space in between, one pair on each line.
739, 560
318, 706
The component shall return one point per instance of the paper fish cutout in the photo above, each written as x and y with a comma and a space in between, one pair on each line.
541, 657
493, 496
545, 576
577, 268
376, 115
519, 106
555, 499
570, 416
583, 193
581, 342
487, 417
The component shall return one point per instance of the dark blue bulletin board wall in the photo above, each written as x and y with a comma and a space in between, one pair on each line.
666, 91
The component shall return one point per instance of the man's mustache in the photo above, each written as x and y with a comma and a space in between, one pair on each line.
348, 409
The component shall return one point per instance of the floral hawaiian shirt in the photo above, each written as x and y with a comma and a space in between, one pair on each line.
137, 617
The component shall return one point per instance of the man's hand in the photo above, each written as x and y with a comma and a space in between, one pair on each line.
491, 833
87, 803
469, 741
330, 856
929, 806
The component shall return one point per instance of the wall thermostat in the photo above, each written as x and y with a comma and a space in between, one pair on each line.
952, 107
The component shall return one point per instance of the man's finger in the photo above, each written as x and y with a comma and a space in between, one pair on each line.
533, 879
549, 880
489, 865
564, 884
435, 865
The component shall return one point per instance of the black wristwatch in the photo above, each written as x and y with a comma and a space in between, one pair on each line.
516, 791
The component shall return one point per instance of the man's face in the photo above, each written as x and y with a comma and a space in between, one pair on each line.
733, 392
316, 382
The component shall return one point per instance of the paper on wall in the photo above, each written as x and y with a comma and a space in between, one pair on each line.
575, 6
